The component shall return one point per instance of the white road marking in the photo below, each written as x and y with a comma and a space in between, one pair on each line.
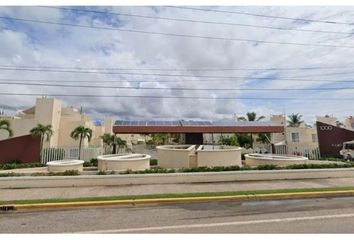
206, 225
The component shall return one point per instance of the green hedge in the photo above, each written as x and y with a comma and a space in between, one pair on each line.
13, 165
238, 168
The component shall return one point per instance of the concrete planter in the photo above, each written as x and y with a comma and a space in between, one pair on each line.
65, 165
202, 177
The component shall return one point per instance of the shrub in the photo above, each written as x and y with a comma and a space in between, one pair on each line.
65, 173
13, 161
94, 162
10, 174
13, 165
153, 162
267, 167
101, 172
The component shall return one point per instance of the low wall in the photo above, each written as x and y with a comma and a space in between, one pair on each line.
174, 156
116, 180
23, 148
227, 156
116, 162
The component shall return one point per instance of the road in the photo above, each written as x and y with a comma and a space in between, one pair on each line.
335, 215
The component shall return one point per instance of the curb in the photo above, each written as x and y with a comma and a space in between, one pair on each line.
248, 197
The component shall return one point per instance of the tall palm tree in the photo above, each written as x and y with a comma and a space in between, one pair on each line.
251, 117
107, 139
42, 131
119, 142
294, 120
81, 132
5, 125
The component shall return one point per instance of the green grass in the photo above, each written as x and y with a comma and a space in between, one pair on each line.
10, 174
175, 195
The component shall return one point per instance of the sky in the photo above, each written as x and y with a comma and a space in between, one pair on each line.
116, 58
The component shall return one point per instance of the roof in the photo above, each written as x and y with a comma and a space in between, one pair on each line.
190, 126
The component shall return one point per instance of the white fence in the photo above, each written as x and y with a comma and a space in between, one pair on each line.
52, 154
313, 154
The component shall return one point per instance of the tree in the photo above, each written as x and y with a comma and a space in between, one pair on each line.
251, 117
5, 125
42, 131
294, 120
119, 142
229, 140
81, 132
107, 139
263, 138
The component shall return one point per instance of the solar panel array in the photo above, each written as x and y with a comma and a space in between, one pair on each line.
162, 123
190, 123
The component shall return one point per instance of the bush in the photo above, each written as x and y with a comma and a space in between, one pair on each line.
13, 161
10, 174
153, 162
66, 173
101, 172
94, 162
13, 165
267, 167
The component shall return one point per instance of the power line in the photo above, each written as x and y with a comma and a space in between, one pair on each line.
174, 97
167, 81
178, 35
183, 69
196, 21
164, 75
177, 88
262, 15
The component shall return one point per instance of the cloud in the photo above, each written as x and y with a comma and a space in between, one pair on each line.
53, 45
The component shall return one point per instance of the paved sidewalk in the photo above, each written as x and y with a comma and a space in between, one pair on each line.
75, 192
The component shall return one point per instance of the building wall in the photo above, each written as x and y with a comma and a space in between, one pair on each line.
331, 138
63, 120
24, 149
307, 136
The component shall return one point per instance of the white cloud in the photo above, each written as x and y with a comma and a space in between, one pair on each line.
51, 45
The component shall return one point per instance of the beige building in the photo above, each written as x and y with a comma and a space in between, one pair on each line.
63, 120
297, 139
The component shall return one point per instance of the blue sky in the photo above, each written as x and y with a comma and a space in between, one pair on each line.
34, 44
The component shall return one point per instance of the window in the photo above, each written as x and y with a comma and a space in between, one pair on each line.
314, 137
295, 137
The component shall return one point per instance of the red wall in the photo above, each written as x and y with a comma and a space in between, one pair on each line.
24, 148
331, 138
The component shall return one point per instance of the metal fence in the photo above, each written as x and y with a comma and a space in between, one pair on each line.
313, 154
53, 154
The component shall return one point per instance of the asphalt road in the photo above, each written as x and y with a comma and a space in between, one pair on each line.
334, 215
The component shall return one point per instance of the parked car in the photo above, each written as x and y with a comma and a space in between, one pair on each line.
348, 150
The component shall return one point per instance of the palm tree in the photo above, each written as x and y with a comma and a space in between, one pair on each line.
42, 131
119, 142
251, 117
81, 132
294, 120
5, 125
107, 139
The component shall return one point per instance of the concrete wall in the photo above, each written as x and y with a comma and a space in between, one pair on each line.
117, 180
172, 156
228, 156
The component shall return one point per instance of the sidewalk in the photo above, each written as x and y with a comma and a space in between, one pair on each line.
76, 192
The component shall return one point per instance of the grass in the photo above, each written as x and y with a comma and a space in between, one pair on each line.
175, 195
10, 174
